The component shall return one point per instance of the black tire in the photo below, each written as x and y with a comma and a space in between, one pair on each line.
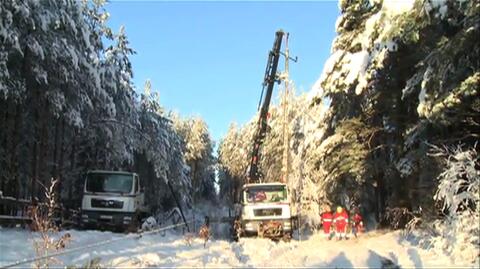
134, 226
287, 237
86, 227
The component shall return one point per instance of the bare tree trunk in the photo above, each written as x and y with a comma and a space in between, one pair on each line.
14, 150
4, 132
72, 164
54, 172
380, 195
193, 167
61, 158
43, 159
34, 162
4, 176
34, 98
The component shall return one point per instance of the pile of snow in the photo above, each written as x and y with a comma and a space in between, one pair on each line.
459, 192
149, 224
370, 250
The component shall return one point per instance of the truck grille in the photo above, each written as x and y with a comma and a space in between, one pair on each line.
98, 203
267, 212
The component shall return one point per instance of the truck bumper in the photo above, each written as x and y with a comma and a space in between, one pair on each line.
106, 218
251, 226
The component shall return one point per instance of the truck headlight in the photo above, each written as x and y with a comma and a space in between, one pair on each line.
127, 205
245, 213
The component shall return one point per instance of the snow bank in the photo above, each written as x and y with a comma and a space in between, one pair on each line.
369, 250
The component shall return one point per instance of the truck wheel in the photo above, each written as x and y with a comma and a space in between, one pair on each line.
134, 226
236, 230
287, 237
236, 236
85, 227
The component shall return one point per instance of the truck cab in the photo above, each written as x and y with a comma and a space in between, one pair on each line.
265, 210
112, 198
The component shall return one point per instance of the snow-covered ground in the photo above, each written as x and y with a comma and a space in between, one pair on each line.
172, 250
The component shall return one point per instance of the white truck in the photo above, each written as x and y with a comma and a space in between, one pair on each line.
113, 199
265, 211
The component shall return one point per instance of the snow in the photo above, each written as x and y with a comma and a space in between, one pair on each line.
328, 67
338, 22
405, 166
443, 11
330, 64
73, 55
172, 250
345, 66
74, 117
86, 38
36, 49
149, 224
357, 67
440, 6
422, 96
316, 90
394, 7
342, 3
370, 28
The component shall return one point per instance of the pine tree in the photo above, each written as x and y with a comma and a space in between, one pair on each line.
405, 71
198, 155
67, 105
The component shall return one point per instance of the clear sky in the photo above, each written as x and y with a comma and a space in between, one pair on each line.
208, 58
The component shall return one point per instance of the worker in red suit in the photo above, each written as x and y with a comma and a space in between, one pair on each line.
357, 223
340, 220
326, 219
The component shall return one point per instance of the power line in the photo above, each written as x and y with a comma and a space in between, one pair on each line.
101, 243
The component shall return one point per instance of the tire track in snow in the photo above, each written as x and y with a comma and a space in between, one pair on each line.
257, 252
238, 250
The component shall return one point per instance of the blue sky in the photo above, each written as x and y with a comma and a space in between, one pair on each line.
208, 58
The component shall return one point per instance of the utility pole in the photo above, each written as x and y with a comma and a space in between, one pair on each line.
286, 134
286, 112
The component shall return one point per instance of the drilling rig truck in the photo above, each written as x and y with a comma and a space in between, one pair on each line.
264, 208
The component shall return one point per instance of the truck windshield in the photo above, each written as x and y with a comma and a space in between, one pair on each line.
112, 183
266, 194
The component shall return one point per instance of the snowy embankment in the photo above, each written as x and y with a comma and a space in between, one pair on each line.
173, 251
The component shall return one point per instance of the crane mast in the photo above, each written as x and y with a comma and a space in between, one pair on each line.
254, 175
